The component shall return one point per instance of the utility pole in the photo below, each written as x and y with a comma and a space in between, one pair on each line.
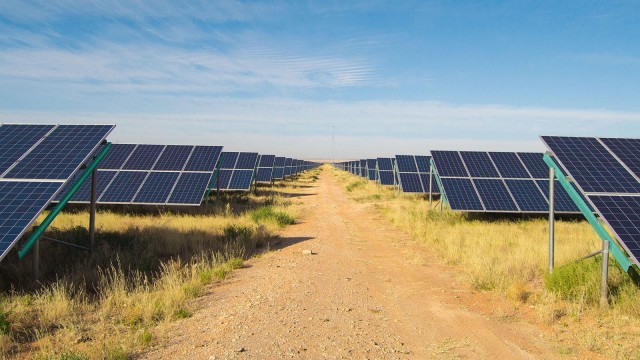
333, 141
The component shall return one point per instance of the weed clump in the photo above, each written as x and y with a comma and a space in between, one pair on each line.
577, 282
269, 213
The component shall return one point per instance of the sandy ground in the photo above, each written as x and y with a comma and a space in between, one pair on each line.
367, 292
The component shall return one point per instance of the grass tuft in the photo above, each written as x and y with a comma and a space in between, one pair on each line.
269, 213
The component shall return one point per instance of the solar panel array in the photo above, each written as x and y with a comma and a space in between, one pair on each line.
265, 168
384, 171
237, 170
153, 175
414, 174
497, 182
607, 172
278, 168
35, 163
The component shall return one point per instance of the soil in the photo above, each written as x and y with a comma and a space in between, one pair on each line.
367, 291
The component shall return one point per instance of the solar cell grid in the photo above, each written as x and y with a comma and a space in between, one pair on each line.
385, 164
123, 187
406, 163
461, 194
449, 163
495, 195
61, 152
627, 150
144, 157
264, 174
224, 175
204, 158
229, 160
386, 177
411, 182
156, 188
247, 160
20, 205
479, 164
509, 165
267, 160
562, 200
535, 165
591, 165
622, 214
190, 188
173, 158
424, 163
117, 155
528, 196
15, 140
241, 180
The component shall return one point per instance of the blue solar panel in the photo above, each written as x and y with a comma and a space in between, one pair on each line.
386, 177
627, 150
84, 193
15, 140
173, 158
229, 160
287, 166
247, 161
156, 188
622, 214
279, 161
363, 168
190, 188
204, 158
278, 173
372, 174
449, 163
20, 205
479, 164
535, 164
61, 153
123, 187
117, 155
509, 165
224, 176
528, 196
425, 182
143, 157
267, 160
562, 200
241, 180
406, 163
591, 165
424, 163
411, 182
385, 164
264, 174
494, 195
461, 194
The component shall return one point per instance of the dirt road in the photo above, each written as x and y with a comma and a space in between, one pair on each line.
367, 291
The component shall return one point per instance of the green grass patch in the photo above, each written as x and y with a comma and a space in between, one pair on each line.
578, 281
355, 185
268, 213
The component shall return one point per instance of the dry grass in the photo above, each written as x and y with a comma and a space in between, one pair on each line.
146, 270
509, 255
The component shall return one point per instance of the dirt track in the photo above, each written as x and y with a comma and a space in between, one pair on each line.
367, 292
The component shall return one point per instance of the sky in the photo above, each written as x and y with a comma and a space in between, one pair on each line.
316, 79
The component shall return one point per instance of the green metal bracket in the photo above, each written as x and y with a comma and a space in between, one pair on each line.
214, 178
63, 202
436, 176
617, 252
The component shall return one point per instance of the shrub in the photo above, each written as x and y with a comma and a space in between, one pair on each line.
268, 213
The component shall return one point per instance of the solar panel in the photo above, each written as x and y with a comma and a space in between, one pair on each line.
31, 154
424, 164
518, 171
278, 167
495, 195
204, 158
267, 160
16, 140
247, 161
562, 202
603, 170
61, 152
406, 164
117, 156
83, 194
161, 166
20, 204
190, 188
238, 175
241, 180
173, 158
509, 165
143, 157
479, 164
287, 166
449, 164
265, 168
414, 173
528, 196
224, 176
156, 188
411, 182
461, 194
385, 164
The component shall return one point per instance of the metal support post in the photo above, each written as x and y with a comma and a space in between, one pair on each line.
604, 286
551, 218
430, 186
36, 260
92, 211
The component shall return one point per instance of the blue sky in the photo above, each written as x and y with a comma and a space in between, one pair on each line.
273, 77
